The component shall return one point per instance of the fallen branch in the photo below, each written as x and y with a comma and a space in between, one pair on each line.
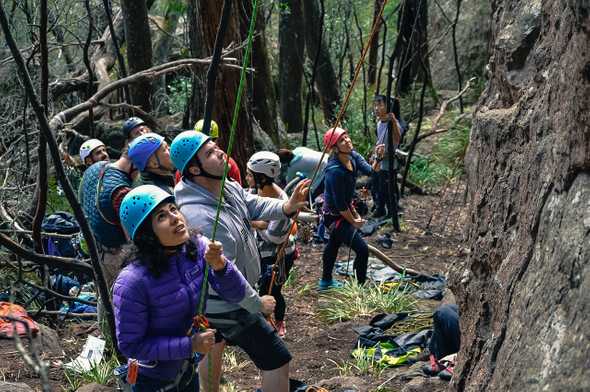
151, 120
60, 119
67, 315
58, 295
443, 106
387, 261
52, 261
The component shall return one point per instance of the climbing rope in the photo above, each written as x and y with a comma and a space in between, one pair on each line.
200, 322
232, 136
281, 253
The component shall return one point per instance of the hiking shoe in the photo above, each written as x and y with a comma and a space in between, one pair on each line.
446, 374
281, 328
329, 284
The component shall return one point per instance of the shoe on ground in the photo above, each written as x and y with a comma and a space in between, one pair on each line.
329, 284
433, 368
281, 328
446, 374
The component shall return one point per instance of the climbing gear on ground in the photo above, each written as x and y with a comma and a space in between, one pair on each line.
87, 147
130, 124
332, 136
138, 204
265, 162
385, 240
141, 149
213, 129
329, 284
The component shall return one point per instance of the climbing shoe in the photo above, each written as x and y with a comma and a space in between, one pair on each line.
329, 284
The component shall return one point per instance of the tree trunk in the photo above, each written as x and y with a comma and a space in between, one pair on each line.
227, 82
326, 82
263, 99
139, 47
291, 46
196, 107
524, 290
374, 49
413, 45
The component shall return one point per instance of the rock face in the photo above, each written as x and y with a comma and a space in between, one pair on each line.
524, 291
14, 387
473, 35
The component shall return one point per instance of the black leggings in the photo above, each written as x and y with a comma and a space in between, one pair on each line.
276, 291
343, 233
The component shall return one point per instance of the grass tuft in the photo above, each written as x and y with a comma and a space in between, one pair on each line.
353, 301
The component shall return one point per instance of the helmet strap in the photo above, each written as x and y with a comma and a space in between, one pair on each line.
204, 173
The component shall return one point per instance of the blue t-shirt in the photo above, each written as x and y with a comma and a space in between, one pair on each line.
382, 135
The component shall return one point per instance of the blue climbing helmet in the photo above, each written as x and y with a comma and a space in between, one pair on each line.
138, 204
131, 123
185, 146
141, 149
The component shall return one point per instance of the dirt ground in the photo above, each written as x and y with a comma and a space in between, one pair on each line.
316, 346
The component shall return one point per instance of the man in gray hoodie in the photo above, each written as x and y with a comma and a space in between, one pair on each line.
201, 163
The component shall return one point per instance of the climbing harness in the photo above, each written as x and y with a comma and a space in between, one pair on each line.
280, 254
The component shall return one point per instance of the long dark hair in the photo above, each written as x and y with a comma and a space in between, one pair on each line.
261, 179
148, 250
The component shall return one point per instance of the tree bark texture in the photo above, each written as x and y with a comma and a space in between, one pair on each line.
413, 44
524, 290
263, 101
325, 82
139, 47
291, 52
374, 49
196, 106
227, 82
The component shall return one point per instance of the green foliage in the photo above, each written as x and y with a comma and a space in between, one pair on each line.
56, 200
179, 94
361, 364
292, 278
353, 301
446, 159
100, 373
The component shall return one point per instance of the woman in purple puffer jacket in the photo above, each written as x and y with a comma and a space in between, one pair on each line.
156, 295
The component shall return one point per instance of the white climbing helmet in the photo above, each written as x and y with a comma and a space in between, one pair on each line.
265, 162
87, 147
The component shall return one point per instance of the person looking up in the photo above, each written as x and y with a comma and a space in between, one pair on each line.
150, 154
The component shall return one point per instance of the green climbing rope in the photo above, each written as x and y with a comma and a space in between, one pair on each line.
232, 136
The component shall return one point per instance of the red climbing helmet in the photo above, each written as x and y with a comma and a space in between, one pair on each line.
332, 136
